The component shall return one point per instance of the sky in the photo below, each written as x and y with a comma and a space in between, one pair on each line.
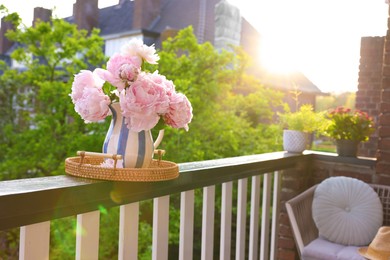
319, 38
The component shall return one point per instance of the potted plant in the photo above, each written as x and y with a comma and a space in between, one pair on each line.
349, 128
298, 126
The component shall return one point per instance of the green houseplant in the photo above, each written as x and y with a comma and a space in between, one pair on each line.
348, 128
297, 127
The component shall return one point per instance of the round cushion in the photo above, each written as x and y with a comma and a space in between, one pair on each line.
347, 211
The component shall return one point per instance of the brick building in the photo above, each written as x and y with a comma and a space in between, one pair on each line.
373, 96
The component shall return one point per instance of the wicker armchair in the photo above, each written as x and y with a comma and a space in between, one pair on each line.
299, 210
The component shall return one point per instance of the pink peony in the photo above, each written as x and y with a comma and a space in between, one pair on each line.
163, 81
180, 112
144, 98
139, 123
93, 106
136, 48
121, 70
84, 79
144, 101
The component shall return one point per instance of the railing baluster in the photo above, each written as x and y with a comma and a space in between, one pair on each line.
241, 218
128, 231
265, 217
160, 228
226, 221
208, 223
186, 225
275, 215
87, 235
254, 218
35, 241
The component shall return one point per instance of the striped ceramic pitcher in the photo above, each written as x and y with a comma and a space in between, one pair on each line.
137, 148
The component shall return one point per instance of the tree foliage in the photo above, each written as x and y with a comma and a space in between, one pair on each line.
39, 127
226, 122
332, 101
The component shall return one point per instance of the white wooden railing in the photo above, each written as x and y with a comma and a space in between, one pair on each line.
31, 203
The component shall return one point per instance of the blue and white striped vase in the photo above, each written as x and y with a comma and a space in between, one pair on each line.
136, 148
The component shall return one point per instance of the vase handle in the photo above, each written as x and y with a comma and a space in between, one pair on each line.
159, 138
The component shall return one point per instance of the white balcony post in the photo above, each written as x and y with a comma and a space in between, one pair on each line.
254, 218
160, 228
128, 231
241, 218
186, 225
275, 215
226, 221
265, 217
87, 235
35, 241
208, 223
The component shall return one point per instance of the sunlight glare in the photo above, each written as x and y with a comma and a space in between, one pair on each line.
275, 57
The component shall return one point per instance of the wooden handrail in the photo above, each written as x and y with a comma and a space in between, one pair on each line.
28, 201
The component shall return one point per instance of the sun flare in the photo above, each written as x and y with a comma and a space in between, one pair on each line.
278, 58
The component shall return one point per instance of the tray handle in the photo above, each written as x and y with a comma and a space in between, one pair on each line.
160, 153
116, 157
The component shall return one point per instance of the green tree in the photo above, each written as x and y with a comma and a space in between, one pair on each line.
39, 127
229, 105
332, 101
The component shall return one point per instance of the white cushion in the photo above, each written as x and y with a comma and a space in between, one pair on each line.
347, 211
322, 249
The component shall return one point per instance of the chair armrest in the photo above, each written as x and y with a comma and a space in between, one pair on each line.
299, 210
384, 195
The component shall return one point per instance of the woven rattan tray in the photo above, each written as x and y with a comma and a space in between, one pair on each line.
88, 166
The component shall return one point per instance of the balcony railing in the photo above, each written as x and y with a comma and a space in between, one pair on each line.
32, 203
